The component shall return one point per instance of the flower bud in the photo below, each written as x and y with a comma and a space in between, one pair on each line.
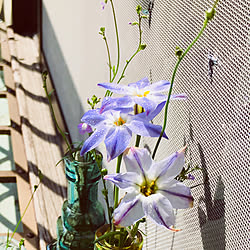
210, 14
104, 171
138, 9
178, 51
143, 46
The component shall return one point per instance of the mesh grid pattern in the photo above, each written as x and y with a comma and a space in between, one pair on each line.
213, 122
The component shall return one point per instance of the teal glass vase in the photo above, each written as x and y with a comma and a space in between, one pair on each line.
82, 213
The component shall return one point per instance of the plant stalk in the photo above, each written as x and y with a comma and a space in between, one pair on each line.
171, 85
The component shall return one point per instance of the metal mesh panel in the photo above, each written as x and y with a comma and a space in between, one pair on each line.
213, 122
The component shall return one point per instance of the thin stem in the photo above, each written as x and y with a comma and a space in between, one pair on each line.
171, 85
17, 225
107, 200
53, 113
138, 138
117, 41
136, 52
116, 189
109, 58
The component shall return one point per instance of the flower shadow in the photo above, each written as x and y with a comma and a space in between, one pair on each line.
211, 211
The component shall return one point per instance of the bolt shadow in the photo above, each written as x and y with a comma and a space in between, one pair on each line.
46, 181
211, 211
45, 136
45, 233
33, 67
37, 98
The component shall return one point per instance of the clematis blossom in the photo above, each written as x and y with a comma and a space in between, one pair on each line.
151, 188
115, 128
143, 93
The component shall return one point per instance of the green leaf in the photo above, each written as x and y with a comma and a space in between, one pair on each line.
21, 243
134, 23
107, 235
50, 93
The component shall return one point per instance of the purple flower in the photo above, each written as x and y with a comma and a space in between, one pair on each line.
147, 95
151, 188
84, 128
115, 128
190, 177
103, 5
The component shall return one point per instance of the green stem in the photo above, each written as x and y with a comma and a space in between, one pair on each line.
172, 82
136, 52
135, 229
116, 189
31, 198
109, 58
117, 41
107, 201
138, 138
53, 113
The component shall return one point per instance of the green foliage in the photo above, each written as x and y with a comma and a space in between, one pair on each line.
21, 243
94, 100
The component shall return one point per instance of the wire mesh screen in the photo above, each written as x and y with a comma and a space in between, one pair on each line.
213, 122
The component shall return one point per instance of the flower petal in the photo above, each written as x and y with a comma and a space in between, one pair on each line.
94, 140
93, 117
178, 194
182, 96
151, 115
126, 180
117, 141
137, 160
141, 84
116, 88
146, 103
84, 128
159, 209
129, 211
140, 127
124, 104
167, 169
160, 86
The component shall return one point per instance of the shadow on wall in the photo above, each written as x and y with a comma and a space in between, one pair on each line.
25, 16
212, 218
68, 97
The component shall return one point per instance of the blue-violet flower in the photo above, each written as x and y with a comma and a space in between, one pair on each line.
143, 93
115, 129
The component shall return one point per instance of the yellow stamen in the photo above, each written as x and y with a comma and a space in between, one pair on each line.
144, 94
191, 204
148, 189
119, 122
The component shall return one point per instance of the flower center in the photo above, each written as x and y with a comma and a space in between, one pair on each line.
119, 122
149, 188
144, 94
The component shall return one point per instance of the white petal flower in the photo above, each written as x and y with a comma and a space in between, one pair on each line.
152, 189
